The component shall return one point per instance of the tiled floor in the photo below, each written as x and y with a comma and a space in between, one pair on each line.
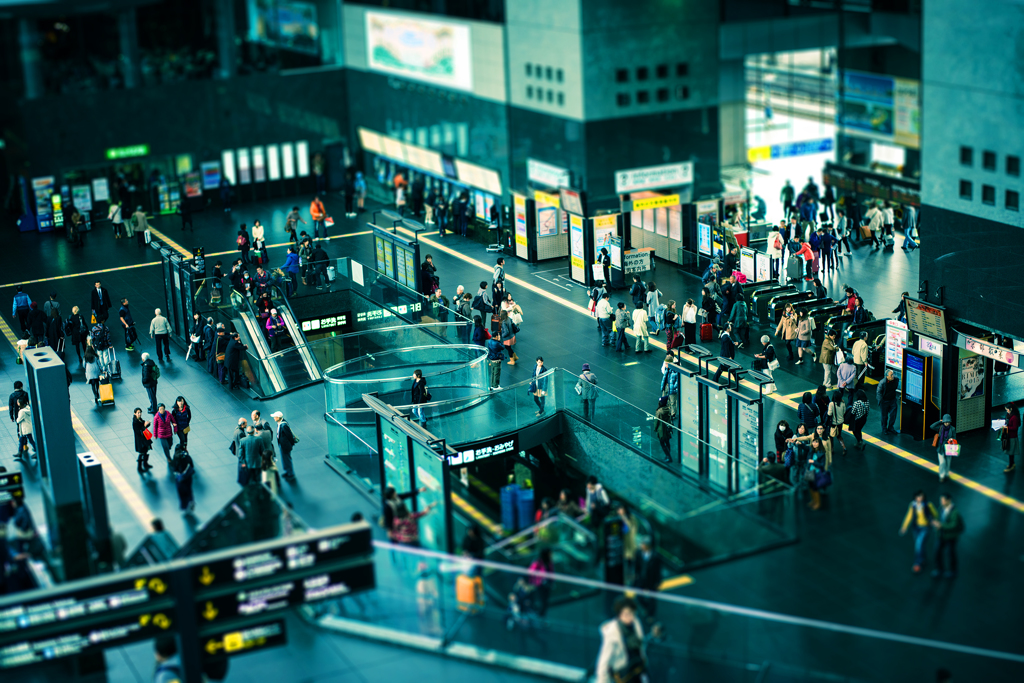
850, 567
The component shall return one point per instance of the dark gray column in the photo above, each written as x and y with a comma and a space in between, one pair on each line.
58, 462
128, 33
225, 27
31, 64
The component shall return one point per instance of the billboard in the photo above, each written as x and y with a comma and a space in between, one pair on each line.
430, 51
881, 108
284, 23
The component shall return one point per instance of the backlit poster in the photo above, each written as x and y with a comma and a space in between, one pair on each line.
81, 197
896, 334
704, 239
762, 267
675, 224
519, 209
577, 271
419, 49
302, 158
42, 188
193, 184
273, 163
547, 214
747, 263
661, 222
227, 159
395, 450
211, 174
972, 377
287, 160
244, 170
100, 190
430, 479
604, 230
259, 165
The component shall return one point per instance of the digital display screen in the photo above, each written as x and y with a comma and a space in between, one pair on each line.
395, 448
704, 239
749, 432
913, 386
430, 476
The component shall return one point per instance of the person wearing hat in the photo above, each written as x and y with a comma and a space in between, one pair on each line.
286, 442
276, 330
946, 432
586, 387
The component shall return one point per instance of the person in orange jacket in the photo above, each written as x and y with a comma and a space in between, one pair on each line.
318, 214
805, 251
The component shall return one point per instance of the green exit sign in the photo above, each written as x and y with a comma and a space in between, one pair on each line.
128, 152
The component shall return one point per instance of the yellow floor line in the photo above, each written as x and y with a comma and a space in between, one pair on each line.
784, 399
110, 471
171, 243
479, 517
676, 582
89, 272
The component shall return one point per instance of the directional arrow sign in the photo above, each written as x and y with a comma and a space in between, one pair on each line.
210, 612
206, 577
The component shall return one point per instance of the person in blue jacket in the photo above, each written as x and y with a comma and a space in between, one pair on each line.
291, 269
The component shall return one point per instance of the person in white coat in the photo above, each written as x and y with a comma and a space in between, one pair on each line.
623, 655
776, 244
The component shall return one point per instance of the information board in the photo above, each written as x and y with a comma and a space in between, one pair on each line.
762, 267
704, 239
896, 335
431, 475
389, 260
747, 266
689, 416
378, 244
340, 322
506, 445
718, 419
395, 447
547, 213
100, 190
913, 385
638, 261
578, 269
993, 351
241, 640
605, 228
749, 442
926, 319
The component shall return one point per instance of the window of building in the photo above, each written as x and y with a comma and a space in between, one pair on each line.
643, 97
1013, 165
966, 189
551, 96
988, 195
621, 75
988, 160
529, 92
663, 94
966, 156
559, 75
682, 92
661, 70
539, 71
682, 69
550, 73
561, 99
641, 73
1012, 200
529, 69
622, 99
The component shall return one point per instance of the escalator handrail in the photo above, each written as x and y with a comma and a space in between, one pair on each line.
573, 522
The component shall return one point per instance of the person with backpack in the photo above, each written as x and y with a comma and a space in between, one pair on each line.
586, 387
243, 244
776, 244
100, 337
483, 302
150, 375
807, 411
920, 515
951, 526
638, 291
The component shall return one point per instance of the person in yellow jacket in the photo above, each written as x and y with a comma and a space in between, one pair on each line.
920, 514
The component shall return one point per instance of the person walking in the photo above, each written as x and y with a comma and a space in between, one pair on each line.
286, 441
127, 326
586, 387
20, 309
640, 328
654, 308
76, 328
243, 244
946, 432
728, 346
160, 330
827, 357
859, 412
787, 329
690, 322
143, 443
319, 262
291, 224
1009, 434
233, 360
803, 336
738, 322
663, 422
182, 414
671, 322
419, 395
622, 321
318, 214
887, 395
508, 336
251, 455
861, 351
24, 424
15, 398
91, 363
495, 356
919, 518
163, 430
101, 302
604, 319
539, 386
150, 376
951, 526
846, 376
623, 654
184, 470
836, 418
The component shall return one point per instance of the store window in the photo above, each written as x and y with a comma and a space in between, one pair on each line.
966, 189
988, 195
1012, 200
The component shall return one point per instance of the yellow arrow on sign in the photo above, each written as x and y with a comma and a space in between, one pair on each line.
213, 645
206, 577
157, 586
210, 613
162, 621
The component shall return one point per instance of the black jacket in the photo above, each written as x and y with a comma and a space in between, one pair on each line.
419, 388
728, 347
233, 355
285, 438
648, 571
147, 376
142, 444
780, 440
37, 323
208, 336
13, 402
105, 305
319, 256
76, 327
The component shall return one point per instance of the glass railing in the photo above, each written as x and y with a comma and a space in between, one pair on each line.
550, 625
332, 351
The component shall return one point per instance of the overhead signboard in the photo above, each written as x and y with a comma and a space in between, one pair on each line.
547, 175
993, 351
926, 319
571, 201
242, 640
638, 261
654, 202
653, 177
479, 177
371, 141
128, 152
482, 450
881, 107
340, 322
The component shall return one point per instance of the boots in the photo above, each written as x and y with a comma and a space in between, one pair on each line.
140, 464
815, 500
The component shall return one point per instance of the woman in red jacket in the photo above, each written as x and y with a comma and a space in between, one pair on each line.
808, 255
163, 429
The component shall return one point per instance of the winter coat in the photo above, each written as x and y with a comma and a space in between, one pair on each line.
163, 427
786, 327
142, 444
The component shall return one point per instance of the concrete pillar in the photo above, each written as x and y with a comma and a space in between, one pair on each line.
732, 112
58, 462
128, 33
224, 25
31, 61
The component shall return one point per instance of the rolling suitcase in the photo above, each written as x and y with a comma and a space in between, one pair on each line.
707, 332
795, 268
332, 273
115, 369
106, 391
890, 242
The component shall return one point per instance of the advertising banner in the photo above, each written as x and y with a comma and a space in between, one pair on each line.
605, 228
896, 334
578, 273
42, 188
81, 197
422, 50
547, 213
972, 377
519, 209
881, 108
211, 174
